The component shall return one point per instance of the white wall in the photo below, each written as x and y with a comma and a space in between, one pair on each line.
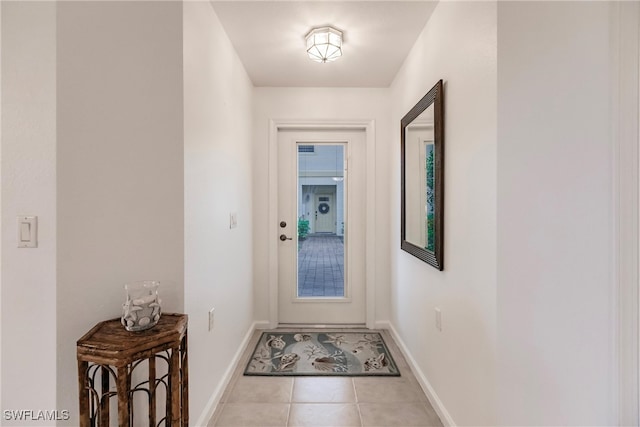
319, 104
217, 158
120, 165
28, 188
458, 45
1, 234
556, 315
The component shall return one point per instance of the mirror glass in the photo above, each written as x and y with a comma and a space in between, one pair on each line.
419, 167
422, 150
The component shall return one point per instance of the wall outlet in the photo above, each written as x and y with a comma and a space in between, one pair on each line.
438, 319
211, 318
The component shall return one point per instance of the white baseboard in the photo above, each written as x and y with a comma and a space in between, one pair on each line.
211, 405
262, 324
437, 404
382, 324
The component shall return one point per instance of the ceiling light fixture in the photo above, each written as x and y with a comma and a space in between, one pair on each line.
324, 44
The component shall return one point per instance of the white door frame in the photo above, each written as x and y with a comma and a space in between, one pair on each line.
625, 119
370, 240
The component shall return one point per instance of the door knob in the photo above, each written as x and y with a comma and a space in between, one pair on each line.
284, 237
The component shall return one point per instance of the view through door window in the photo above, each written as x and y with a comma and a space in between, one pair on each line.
321, 220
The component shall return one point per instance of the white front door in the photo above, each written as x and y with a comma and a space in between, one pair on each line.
325, 214
321, 242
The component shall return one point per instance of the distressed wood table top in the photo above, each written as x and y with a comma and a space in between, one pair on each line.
110, 343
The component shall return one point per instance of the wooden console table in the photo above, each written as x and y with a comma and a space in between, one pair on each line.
108, 351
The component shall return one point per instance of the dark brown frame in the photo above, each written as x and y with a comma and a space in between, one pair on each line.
434, 96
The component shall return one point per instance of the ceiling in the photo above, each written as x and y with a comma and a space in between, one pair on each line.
269, 39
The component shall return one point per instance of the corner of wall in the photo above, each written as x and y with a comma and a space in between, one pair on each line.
218, 96
234, 364
28, 167
119, 163
428, 389
458, 45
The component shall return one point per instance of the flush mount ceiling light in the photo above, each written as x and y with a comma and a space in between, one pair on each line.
324, 44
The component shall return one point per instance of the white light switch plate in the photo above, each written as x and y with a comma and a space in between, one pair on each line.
27, 231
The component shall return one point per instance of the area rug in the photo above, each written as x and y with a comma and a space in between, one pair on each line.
321, 354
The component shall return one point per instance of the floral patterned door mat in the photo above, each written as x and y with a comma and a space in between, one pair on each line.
321, 353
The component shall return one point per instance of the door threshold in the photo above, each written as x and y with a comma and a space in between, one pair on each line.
322, 326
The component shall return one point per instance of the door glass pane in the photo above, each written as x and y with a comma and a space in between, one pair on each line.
321, 220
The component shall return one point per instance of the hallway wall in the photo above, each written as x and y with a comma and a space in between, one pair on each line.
458, 45
319, 104
217, 165
103, 111
119, 166
28, 156
557, 296
528, 294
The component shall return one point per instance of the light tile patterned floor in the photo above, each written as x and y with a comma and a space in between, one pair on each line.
325, 401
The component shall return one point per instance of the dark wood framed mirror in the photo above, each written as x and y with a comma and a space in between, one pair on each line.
422, 178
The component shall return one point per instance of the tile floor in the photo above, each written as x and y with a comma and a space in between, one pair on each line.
325, 401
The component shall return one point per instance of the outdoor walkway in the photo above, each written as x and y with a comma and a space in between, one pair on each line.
321, 266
